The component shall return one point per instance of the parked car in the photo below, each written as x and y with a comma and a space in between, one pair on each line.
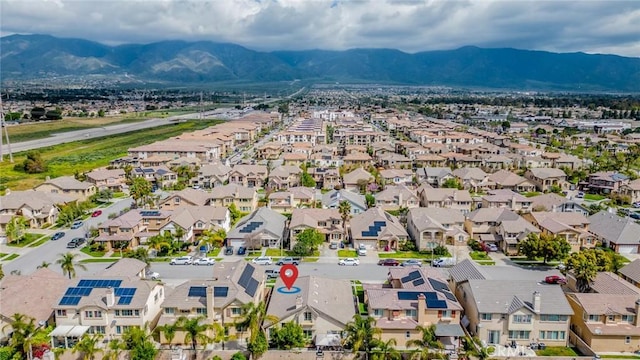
333, 246
272, 273
77, 224
228, 250
153, 275
362, 250
182, 260
443, 261
242, 250
636, 205
492, 247
75, 242
349, 262
635, 215
96, 213
57, 236
262, 260
411, 262
204, 261
288, 260
389, 262
580, 195
555, 279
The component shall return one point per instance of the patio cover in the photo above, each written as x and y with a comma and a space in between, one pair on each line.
69, 331
449, 330
328, 340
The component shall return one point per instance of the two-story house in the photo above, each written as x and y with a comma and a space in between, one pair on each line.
327, 221
605, 182
262, 227
499, 226
546, 179
284, 177
68, 185
184, 197
333, 198
252, 176
396, 197
431, 227
574, 227
191, 221
397, 176
357, 180
211, 175
38, 208
326, 178
434, 176
322, 314
245, 199
616, 232
505, 198
121, 232
446, 198
107, 179
293, 198
504, 179
377, 229
107, 306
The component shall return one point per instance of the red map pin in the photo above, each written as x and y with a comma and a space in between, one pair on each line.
288, 274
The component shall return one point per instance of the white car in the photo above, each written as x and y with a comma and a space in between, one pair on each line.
492, 247
183, 260
153, 275
262, 260
444, 261
204, 261
349, 262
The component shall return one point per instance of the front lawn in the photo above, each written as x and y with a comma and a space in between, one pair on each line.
347, 253
214, 253
411, 255
479, 255
557, 351
87, 250
27, 239
40, 242
10, 257
98, 260
594, 197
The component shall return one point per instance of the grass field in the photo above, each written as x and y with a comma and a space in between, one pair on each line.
28, 239
87, 250
410, 255
557, 351
347, 253
40, 242
65, 159
10, 257
594, 197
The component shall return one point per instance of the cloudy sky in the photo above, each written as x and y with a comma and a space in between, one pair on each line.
591, 26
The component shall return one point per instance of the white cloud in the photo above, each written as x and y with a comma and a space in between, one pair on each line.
408, 25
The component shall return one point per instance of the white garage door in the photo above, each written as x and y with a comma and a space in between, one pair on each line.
628, 249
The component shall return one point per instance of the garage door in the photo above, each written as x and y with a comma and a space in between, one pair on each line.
628, 249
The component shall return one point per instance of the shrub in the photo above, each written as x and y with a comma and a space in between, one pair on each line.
475, 245
440, 250
407, 246
238, 356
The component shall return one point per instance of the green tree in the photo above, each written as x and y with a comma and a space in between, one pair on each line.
88, 346
307, 242
360, 334
114, 349
253, 316
214, 239
101, 113
1, 272
238, 356
16, 227
289, 335
68, 264
258, 346
140, 190
307, 180
43, 265
370, 200
168, 331
428, 346
139, 344
544, 246
386, 351
195, 330
22, 328
451, 184
141, 254
583, 266
235, 213
32, 164
345, 212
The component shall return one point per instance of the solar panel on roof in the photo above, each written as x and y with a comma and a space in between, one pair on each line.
252, 287
125, 291
436, 304
438, 285
246, 276
220, 291
450, 296
125, 300
70, 300
418, 282
197, 291
412, 276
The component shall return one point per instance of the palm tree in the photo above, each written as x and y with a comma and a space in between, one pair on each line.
345, 211
253, 317
88, 346
427, 343
360, 334
168, 331
115, 348
68, 264
386, 351
22, 329
43, 265
195, 330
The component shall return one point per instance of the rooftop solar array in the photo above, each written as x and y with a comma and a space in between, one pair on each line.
250, 227
150, 213
412, 276
436, 304
438, 285
418, 282
220, 291
70, 300
125, 291
246, 276
252, 286
100, 283
73, 295
413, 295
197, 291
374, 229
78, 291
125, 300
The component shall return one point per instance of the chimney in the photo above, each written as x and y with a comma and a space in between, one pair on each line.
536, 302
400, 198
298, 301
111, 297
422, 309
638, 313
513, 202
210, 311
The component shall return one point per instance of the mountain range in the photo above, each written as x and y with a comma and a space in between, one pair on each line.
181, 62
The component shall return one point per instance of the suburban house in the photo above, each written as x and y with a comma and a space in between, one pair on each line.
333, 198
219, 300
357, 179
326, 178
243, 198
293, 198
622, 234
471, 178
357, 158
159, 176
556, 203
211, 175
67, 185
415, 296
574, 227
327, 221
121, 232
397, 176
631, 272
446, 198
546, 179
107, 306
191, 221
430, 227
605, 182
284, 177
396, 197
505, 179
434, 176
248, 175
263, 227
184, 197
501, 311
322, 314
632, 190
499, 226
33, 295
38, 208
394, 161
107, 179
377, 229
505, 198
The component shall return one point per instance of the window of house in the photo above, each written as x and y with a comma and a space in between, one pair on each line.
88, 314
136, 312
126, 312
308, 333
407, 334
445, 313
308, 316
485, 316
552, 335
628, 319
201, 311
378, 312
553, 317
521, 319
169, 311
519, 334
236, 311
118, 329
97, 314
594, 318
61, 312
627, 339
611, 318
411, 313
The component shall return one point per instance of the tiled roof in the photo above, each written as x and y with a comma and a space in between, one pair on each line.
632, 270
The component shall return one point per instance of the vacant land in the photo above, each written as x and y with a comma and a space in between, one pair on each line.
43, 129
82, 156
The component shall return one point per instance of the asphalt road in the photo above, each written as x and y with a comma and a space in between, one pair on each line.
50, 251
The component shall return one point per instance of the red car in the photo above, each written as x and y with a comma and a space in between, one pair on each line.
389, 262
96, 213
555, 279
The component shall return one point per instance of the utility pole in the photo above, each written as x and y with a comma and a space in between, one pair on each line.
3, 126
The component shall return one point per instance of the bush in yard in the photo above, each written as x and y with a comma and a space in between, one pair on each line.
238, 356
475, 245
440, 250
407, 246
